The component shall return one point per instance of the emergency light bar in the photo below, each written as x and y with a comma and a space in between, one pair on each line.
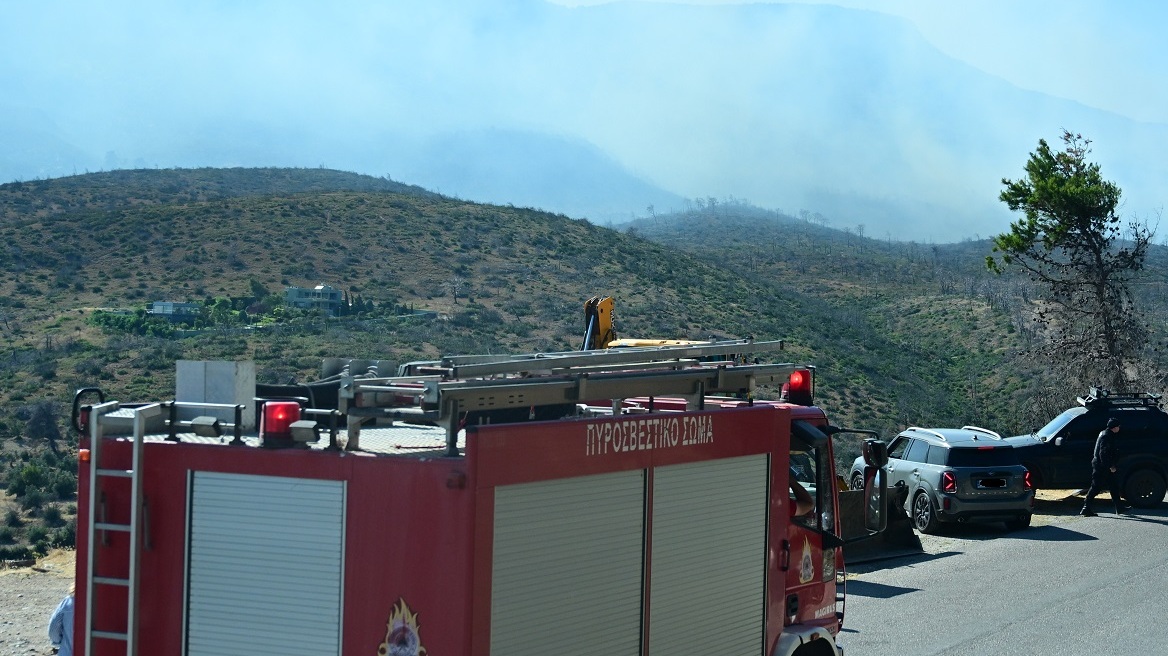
276, 422
799, 388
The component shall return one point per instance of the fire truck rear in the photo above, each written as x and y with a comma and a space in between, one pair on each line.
633, 501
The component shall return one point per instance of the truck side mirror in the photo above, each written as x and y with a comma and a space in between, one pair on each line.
875, 453
875, 498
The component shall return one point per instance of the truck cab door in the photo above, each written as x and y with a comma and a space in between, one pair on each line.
808, 578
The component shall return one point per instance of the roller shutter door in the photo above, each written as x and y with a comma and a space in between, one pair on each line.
709, 557
264, 570
567, 566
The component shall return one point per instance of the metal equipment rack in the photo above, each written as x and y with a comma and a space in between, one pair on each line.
1099, 397
440, 392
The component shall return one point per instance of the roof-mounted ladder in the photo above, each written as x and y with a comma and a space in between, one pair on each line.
447, 389
474, 366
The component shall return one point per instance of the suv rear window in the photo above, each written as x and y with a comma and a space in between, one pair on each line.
982, 457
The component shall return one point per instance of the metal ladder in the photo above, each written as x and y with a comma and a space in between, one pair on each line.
474, 366
458, 384
97, 528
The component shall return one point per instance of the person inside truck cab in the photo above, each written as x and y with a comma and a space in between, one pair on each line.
801, 501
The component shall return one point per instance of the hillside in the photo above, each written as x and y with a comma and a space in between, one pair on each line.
521, 276
901, 333
880, 322
930, 308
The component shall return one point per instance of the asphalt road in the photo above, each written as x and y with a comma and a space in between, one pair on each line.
1069, 585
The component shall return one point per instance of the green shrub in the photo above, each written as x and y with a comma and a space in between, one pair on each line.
29, 477
7, 535
15, 553
66, 536
12, 518
65, 486
33, 500
52, 516
36, 534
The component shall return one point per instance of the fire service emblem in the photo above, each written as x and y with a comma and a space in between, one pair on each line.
806, 565
401, 633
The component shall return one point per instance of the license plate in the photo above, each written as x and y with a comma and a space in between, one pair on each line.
991, 483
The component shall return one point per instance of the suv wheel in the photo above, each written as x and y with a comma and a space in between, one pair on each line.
857, 481
1144, 488
1018, 523
924, 516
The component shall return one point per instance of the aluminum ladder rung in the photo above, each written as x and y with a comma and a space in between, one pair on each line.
120, 473
110, 580
111, 635
109, 526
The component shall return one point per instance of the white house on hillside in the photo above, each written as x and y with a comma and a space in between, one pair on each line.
321, 297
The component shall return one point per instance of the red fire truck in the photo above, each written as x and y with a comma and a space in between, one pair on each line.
631, 501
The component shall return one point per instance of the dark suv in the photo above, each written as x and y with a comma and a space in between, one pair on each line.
1059, 453
956, 475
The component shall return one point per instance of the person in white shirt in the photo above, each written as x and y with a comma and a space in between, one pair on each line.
61, 625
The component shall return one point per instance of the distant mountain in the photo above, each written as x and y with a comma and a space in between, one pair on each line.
595, 112
32, 147
560, 175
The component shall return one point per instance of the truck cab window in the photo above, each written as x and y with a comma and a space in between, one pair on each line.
811, 471
803, 484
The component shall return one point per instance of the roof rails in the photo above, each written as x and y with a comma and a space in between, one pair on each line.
443, 391
929, 431
1098, 396
979, 429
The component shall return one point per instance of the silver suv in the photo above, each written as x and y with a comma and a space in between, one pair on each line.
956, 475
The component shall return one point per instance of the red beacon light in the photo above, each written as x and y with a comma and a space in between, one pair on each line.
277, 420
799, 387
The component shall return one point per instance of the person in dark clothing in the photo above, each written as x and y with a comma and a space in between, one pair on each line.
1103, 468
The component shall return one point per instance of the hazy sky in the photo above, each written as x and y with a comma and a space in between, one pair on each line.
602, 111
1108, 54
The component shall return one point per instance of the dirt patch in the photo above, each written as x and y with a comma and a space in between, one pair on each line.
28, 595
1063, 495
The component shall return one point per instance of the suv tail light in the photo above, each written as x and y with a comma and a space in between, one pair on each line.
1027, 482
948, 482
